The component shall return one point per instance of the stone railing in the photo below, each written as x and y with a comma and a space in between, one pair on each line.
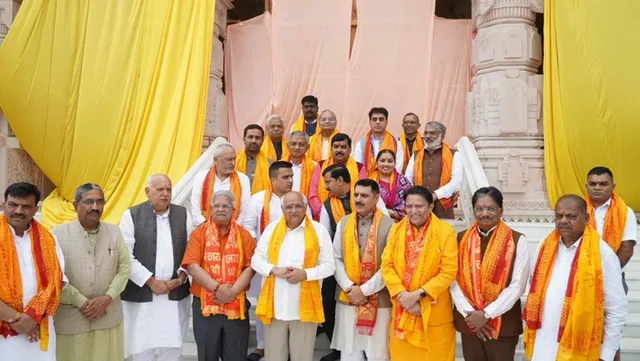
474, 177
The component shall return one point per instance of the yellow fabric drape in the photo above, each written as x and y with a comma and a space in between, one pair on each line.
107, 92
590, 108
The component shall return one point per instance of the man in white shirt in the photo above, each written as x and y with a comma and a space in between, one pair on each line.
293, 255
437, 168
221, 176
376, 139
489, 318
576, 292
27, 300
155, 302
363, 309
303, 165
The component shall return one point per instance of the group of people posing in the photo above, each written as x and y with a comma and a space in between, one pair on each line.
354, 243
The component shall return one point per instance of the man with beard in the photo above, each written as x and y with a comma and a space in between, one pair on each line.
252, 160
377, 139
320, 143
308, 121
410, 139
437, 168
274, 147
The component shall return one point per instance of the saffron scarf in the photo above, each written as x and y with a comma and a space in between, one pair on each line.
208, 191
369, 157
582, 318
315, 146
352, 167
393, 185
418, 261
445, 174
361, 271
224, 264
261, 179
48, 275
614, 221
305, 174
310, 296
265, 215
269, 150
301, 125
337, 209
482, 279
418, 145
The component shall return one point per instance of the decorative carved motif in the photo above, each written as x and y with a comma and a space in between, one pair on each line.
513, 173
4, 27
537, 6
21, 168
484, 6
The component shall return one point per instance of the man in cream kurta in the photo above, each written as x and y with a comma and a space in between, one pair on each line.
89, 319
287, 333
156, 299
347, 336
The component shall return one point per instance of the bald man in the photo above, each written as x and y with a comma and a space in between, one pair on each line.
156, 298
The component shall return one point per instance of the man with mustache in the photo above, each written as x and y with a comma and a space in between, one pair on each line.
293, 255
437, 168
221, 176
89, 319
252, 160
576, 307
320, 143
340, 154
363, 307
31, 278
308, 121
487, 296
155, 302
274, 147
377, 139
410, 139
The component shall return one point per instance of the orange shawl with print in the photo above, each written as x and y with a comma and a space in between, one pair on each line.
305, 174
310, 296
315, 146
301, 125
359, 270
582, 318
614, 221
482, 279
369, 157
352, 167
208, 191
48, 275
269, 149
261, 180
224, 264
418, 144
445, 175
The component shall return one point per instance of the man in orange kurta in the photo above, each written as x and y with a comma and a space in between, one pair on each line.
419, 264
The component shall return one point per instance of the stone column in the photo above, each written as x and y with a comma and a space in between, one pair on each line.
15, 163
217, 120
504, 107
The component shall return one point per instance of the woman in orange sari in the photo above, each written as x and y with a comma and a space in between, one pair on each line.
393, 185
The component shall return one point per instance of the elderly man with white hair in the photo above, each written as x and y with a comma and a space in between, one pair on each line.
155, 302
221, 176
274, 145
437, 168
320, 143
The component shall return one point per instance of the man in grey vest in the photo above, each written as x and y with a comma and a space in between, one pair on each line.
156, 298
88, 321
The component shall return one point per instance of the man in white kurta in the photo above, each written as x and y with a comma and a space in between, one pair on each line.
303, 164
224, 164
157, 328
22, 200
348, 337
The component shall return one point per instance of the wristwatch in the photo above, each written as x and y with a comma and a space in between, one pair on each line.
486, 315
423, 293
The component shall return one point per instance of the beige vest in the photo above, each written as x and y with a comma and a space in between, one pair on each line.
384, 300
91, 270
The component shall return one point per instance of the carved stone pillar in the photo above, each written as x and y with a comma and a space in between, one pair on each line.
504, 107
217, 120
15, 164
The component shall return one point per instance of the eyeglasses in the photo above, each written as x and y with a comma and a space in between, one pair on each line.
490, 209
223, 206
90, 202
291, 207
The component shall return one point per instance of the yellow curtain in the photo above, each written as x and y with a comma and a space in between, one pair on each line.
591, 111
107, 92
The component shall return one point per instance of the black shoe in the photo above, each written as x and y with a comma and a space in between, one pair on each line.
333, 356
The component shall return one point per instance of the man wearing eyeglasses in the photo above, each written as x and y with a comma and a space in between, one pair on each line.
89, 319
293, 255
493, 271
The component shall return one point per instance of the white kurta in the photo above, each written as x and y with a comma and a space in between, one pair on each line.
161, 323
546, 344
218, 185
358, 152
18, 347
286, 295
297, 176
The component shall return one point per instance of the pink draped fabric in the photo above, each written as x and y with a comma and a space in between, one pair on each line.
249, 74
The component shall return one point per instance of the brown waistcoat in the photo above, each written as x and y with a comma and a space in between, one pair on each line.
511, 320
431, 171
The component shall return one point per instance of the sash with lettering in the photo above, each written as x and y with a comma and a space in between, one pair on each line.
224, 264
310, 296
614, 221
361, 271
269, 149
208, 191
48, 275
352, 167
417, 146
261, 179
483, 279
388, 142
582, 317
315, 148
445, 175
